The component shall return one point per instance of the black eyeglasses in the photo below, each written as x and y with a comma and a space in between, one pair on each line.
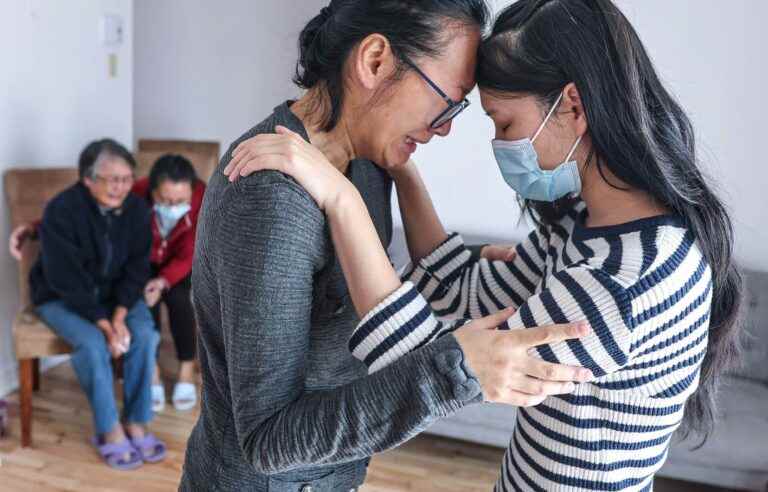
454, 107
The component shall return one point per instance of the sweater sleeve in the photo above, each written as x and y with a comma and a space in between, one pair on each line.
64, 265
575, 294
274, 241
458, 286
403, 322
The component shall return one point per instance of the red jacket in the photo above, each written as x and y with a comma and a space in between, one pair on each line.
172, 255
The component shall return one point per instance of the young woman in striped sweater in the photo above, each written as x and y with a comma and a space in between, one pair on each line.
630, 238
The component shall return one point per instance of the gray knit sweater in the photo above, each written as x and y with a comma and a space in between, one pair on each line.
284, 402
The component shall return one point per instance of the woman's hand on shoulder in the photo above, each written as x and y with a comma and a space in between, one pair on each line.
288, 153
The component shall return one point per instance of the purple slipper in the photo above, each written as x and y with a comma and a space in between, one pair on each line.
113, 454
147, 443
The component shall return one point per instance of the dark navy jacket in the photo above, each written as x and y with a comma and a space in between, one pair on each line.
92, 260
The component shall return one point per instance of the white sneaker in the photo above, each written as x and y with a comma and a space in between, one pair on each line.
158, 398
184, 396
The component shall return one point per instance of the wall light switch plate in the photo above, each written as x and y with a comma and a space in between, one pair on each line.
111, 30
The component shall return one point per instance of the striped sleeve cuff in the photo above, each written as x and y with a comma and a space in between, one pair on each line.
401, 323
438, 270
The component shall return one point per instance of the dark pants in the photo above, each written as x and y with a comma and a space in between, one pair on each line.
178, 300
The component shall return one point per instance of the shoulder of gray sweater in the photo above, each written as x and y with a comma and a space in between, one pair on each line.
235, 209
267, 205
271, 185
273, 188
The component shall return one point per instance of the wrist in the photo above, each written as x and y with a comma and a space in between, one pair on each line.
464, 339
346, 197
163, 283
453, 362
404, 173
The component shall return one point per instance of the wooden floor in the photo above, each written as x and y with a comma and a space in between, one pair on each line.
62, 460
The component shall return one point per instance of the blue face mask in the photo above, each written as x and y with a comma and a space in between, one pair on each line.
519, 165
169, 215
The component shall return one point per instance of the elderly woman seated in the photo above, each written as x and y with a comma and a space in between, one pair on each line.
88, 285
175, 195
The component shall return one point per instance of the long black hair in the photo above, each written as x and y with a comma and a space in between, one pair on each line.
415, 29
638, 131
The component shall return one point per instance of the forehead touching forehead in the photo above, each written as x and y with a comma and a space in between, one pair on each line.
455, 65
497, 104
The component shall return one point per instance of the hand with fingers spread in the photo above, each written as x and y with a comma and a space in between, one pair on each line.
289, 153
507, 372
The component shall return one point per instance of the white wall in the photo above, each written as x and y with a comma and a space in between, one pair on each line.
212, 70
205, 70
712, 57
55, 96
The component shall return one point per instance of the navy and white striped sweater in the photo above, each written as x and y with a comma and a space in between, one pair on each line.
644, 287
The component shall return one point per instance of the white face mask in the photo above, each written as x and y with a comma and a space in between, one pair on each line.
169, 215
519, 165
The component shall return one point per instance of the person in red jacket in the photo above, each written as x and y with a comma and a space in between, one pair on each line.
175, 194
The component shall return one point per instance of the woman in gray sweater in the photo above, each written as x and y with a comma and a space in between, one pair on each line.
285, 406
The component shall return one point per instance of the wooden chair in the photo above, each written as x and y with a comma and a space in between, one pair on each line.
204, 156
27, 192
